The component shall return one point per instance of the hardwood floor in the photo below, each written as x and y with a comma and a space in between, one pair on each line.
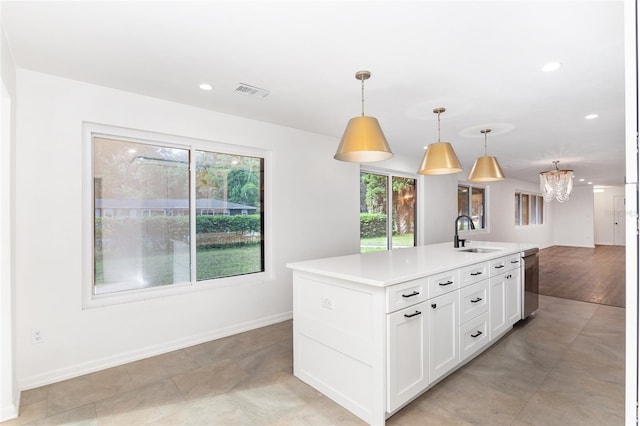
595, 275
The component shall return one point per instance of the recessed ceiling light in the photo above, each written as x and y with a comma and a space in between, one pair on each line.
551, 66
591, 116
581, 180
206, 86
590, 183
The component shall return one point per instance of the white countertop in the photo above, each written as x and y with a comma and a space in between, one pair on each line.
391, 267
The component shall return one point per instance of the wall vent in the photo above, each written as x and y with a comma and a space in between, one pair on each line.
256, 92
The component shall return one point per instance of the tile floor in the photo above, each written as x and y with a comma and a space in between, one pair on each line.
563, 367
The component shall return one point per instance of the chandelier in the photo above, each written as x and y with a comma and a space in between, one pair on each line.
556, 184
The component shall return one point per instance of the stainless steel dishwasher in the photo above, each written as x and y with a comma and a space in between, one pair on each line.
530, 273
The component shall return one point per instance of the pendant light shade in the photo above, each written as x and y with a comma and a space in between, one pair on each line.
486, 168
363, 140
556, 184
439, 158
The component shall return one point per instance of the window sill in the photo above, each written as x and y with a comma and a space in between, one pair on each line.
92, 301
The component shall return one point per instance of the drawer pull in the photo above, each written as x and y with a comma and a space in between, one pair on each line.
433, 305
447, 283
476, 300
515, 261
478, 333
499, 266
476, 273
412, 315
415, 293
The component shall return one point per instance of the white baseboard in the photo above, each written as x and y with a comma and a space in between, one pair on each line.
146, 352
11, 410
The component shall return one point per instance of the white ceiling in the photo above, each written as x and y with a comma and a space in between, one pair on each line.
481, 60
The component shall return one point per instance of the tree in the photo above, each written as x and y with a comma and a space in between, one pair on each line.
243, 187
375, 192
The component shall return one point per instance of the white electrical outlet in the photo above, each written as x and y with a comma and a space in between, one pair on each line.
36, 336
327, 303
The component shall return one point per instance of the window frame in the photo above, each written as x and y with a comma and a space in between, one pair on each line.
535, 207
486, 215
390, 174
91, 300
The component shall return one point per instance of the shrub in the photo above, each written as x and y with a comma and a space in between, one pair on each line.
373, 225
157, 232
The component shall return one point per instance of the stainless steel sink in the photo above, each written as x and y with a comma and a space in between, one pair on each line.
479, 250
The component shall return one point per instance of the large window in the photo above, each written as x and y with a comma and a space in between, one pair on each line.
529, 209
472, 202
166, 214
378, 229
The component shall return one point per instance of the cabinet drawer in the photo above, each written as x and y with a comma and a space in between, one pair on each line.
474, 335
474, 300
443, 283
405, 294
474, 273
513, 261
497, 266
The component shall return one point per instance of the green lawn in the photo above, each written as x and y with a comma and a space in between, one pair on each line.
157, 269
216, 263
380, 243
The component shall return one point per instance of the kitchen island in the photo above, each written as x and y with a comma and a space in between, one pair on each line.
374, 331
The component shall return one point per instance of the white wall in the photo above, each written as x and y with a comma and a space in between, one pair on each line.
314, 214
9, 392
574, 219
604, 214
440, 207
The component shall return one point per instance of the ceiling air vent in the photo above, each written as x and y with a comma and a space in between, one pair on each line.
252, 91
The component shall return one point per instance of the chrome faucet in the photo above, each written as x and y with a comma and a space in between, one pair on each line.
456, 240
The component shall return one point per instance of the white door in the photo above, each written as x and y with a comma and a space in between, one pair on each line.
618, 221
497, 302
513, 297
408, 362
443, 335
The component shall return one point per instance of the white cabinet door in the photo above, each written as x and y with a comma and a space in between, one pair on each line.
513, 297
443, 335
407, 364
497, 301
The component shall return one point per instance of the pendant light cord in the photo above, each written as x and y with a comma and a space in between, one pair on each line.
362, 80
438, 126
485, 144
484, 132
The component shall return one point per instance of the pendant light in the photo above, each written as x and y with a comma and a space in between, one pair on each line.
556, 184
363, 140
439, 158
486, 169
